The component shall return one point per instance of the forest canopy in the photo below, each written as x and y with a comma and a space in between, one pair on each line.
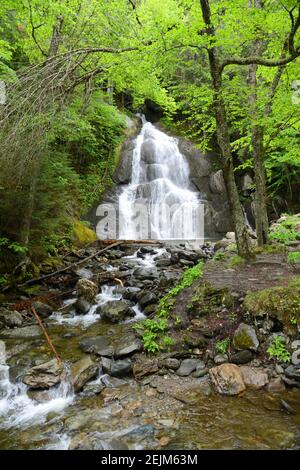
224, 73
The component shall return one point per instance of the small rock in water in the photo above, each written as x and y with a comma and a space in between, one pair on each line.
87, 290
43, 310
254, 378
276, 386
116, 311
96, 345
82, 371
89, 390
227, 379
82, 306
45, 375
287, 407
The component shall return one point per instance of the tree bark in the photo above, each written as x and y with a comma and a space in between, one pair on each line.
242, 236
261, 213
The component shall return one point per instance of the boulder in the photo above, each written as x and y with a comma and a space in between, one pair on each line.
10, 319
171, 363
144, 273
242, 357
116, 311
292, 372
43, 376
276, 386
86, 289
227, 379
33, 331
82, 371
187, 367
147, 367
96, 345
82, 306
254, 378
128, 347
146, 298
245, 338
117, 368
42, 309
220, 359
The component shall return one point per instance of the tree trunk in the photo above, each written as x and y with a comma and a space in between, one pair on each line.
242, 236
261, 213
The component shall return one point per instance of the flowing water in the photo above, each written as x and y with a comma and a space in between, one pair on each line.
136, 414
159, 203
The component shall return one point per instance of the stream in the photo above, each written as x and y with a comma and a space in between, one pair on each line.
161, 410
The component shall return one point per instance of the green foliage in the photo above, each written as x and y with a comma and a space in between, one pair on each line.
285, 231
12, 246
278, 350
222, 346
187, 279
154, 337
219, 256
294, 257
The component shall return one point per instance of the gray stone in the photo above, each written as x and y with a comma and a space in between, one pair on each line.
130, 293
292, 372
86, 289
254, 378
116, 311
187, 367
130, 347
42, 309
45, 375
82, 306
220, 359
82, 371
241, 357
146, 298
245, 338
89, 390
200, 373
112, 382
171, 363
227, 379
96, 345
117, 368
25, 332
144, 273
10, 319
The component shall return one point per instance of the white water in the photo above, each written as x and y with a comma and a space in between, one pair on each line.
107, 294
160, 184
17, 409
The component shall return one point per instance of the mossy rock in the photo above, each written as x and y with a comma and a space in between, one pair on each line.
82, 235
281, 302
208, 299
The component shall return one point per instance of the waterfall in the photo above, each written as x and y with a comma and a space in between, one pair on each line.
158, 203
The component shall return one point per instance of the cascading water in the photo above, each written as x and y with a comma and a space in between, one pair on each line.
160, 190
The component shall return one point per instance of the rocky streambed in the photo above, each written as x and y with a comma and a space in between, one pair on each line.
107, 393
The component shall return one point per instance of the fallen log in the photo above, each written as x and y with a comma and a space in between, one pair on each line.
71, 266
47, 337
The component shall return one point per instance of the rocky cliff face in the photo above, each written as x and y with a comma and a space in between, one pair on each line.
205, 178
